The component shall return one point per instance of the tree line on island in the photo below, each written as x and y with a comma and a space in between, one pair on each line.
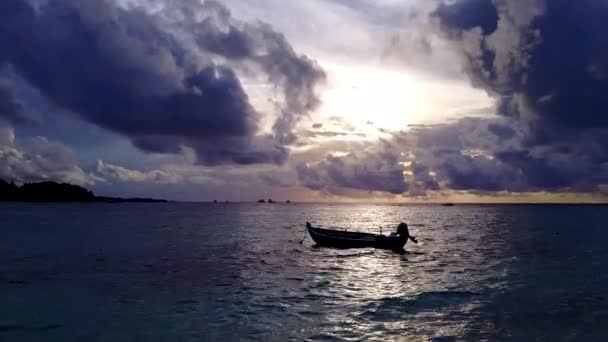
57, 192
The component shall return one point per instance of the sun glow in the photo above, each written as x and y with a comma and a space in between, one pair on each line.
371, 98
375, 99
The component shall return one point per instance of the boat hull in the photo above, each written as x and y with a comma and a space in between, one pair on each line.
345, 240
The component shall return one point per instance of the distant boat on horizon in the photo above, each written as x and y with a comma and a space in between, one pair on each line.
449, 204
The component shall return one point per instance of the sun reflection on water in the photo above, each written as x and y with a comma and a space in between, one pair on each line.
432, 291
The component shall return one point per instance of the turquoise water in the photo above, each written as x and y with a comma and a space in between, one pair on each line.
236, 272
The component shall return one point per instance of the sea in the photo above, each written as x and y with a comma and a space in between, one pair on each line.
238, 272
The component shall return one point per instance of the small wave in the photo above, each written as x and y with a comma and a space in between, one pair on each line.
354, 255
444, 339
392, 308
321, 284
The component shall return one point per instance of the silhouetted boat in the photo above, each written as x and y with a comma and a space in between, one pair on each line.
448, 204
344, 239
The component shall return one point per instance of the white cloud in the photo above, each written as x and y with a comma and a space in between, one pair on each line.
122, 174
39, 160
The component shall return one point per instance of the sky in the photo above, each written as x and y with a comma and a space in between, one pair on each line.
311, 101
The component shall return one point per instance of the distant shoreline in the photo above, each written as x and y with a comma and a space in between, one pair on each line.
52, 192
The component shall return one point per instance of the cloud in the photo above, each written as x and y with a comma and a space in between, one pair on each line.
492, 155
486, 156
502, 131
422, 180
7, 136
330, 134
122, 174
368, 170
10, 109
220, 34
342, 123
551, 135
278, 179
469, 14
541, 58
165, 78
39, 160
535, 146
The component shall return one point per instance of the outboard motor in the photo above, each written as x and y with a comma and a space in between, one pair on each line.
402, 230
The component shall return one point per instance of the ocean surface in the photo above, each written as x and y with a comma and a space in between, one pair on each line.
236, 272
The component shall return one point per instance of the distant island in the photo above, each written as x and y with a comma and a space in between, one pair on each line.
57, 192
271, 201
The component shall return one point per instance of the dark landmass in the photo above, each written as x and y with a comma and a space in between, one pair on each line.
57, 192
270, 200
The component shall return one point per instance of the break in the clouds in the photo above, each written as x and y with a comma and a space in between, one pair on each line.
165, 77
544, 63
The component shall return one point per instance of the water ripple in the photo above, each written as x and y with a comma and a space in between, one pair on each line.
191, 271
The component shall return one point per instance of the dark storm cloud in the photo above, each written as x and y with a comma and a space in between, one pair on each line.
422, 176
545, 57
10, 109
123, 70
468, 14
461, 155
479, 155
221, 34
502, 131
470, 155
372, 170
261, 149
